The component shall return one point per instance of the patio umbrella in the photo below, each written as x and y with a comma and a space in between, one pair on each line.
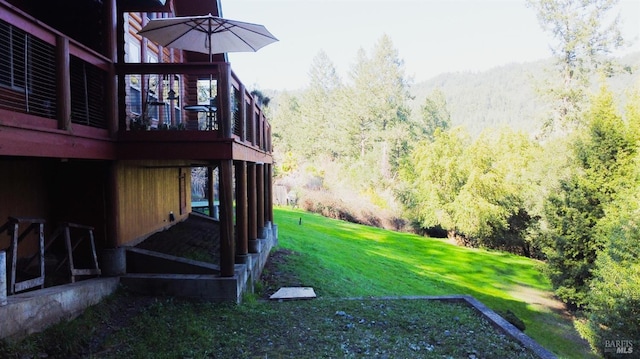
207, 34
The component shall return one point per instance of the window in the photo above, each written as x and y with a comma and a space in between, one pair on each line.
133, 50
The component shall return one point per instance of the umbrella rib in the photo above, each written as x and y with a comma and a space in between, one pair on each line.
191, 25
227, 26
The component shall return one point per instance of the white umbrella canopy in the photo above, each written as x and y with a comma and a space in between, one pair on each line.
207, 34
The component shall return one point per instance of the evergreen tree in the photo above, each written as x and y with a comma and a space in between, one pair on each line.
573, 213
435, 114
584, 38
613, 301
320, 110
378, 103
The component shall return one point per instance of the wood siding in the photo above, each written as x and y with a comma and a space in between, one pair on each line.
148, 191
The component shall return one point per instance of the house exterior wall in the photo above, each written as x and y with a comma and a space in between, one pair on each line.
148, 191
23, 193
57, 191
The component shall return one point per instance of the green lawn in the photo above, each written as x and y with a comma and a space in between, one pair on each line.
342, 259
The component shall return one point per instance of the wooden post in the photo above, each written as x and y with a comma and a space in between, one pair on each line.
269, 189
252, 223
63, 83
252, 121
242, 245
211, 190
242, 107
120, 99
111, 51
224, 100
112, 206
260, 199
227, 250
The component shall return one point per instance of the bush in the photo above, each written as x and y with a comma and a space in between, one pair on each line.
351, 209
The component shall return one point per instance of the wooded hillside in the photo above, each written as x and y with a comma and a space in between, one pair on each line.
506, 95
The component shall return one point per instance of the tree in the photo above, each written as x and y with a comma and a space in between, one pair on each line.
319, 109
584, 39
434, 115
378, 102
434, 175
287, 124
475, 190
613, 301
602, 156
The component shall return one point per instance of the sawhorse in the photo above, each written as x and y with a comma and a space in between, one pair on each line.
12, 227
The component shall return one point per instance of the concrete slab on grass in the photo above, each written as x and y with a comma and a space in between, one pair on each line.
292, 293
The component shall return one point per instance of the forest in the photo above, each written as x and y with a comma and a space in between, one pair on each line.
537, 159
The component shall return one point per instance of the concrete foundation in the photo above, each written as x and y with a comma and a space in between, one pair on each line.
31, 312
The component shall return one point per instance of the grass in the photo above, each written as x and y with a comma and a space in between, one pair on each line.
339, 260
342, 259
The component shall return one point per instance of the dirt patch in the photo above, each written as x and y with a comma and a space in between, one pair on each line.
539, 299
274, 276
546, 301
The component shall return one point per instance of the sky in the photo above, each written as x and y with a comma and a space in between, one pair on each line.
431, 36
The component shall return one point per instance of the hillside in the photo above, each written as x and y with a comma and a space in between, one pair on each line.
504, 95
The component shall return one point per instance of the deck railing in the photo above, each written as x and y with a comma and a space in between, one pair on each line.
190, 97
33, 65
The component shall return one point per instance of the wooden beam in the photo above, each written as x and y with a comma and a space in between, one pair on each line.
260, 198
63, 83
227, 243
225, 114
269, 189
242, 236
252, 222
111, 51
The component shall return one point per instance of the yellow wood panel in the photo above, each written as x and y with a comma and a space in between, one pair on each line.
147, 192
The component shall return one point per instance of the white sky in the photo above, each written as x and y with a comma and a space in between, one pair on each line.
431, 36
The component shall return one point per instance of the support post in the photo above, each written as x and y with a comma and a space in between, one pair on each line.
211, 190
269, 189
224, 100
227, 243
111, 50
260, 199
63, 83
252, 207
242, 108
241, 209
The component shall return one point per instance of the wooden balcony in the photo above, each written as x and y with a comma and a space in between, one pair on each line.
68, 101
200, 122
